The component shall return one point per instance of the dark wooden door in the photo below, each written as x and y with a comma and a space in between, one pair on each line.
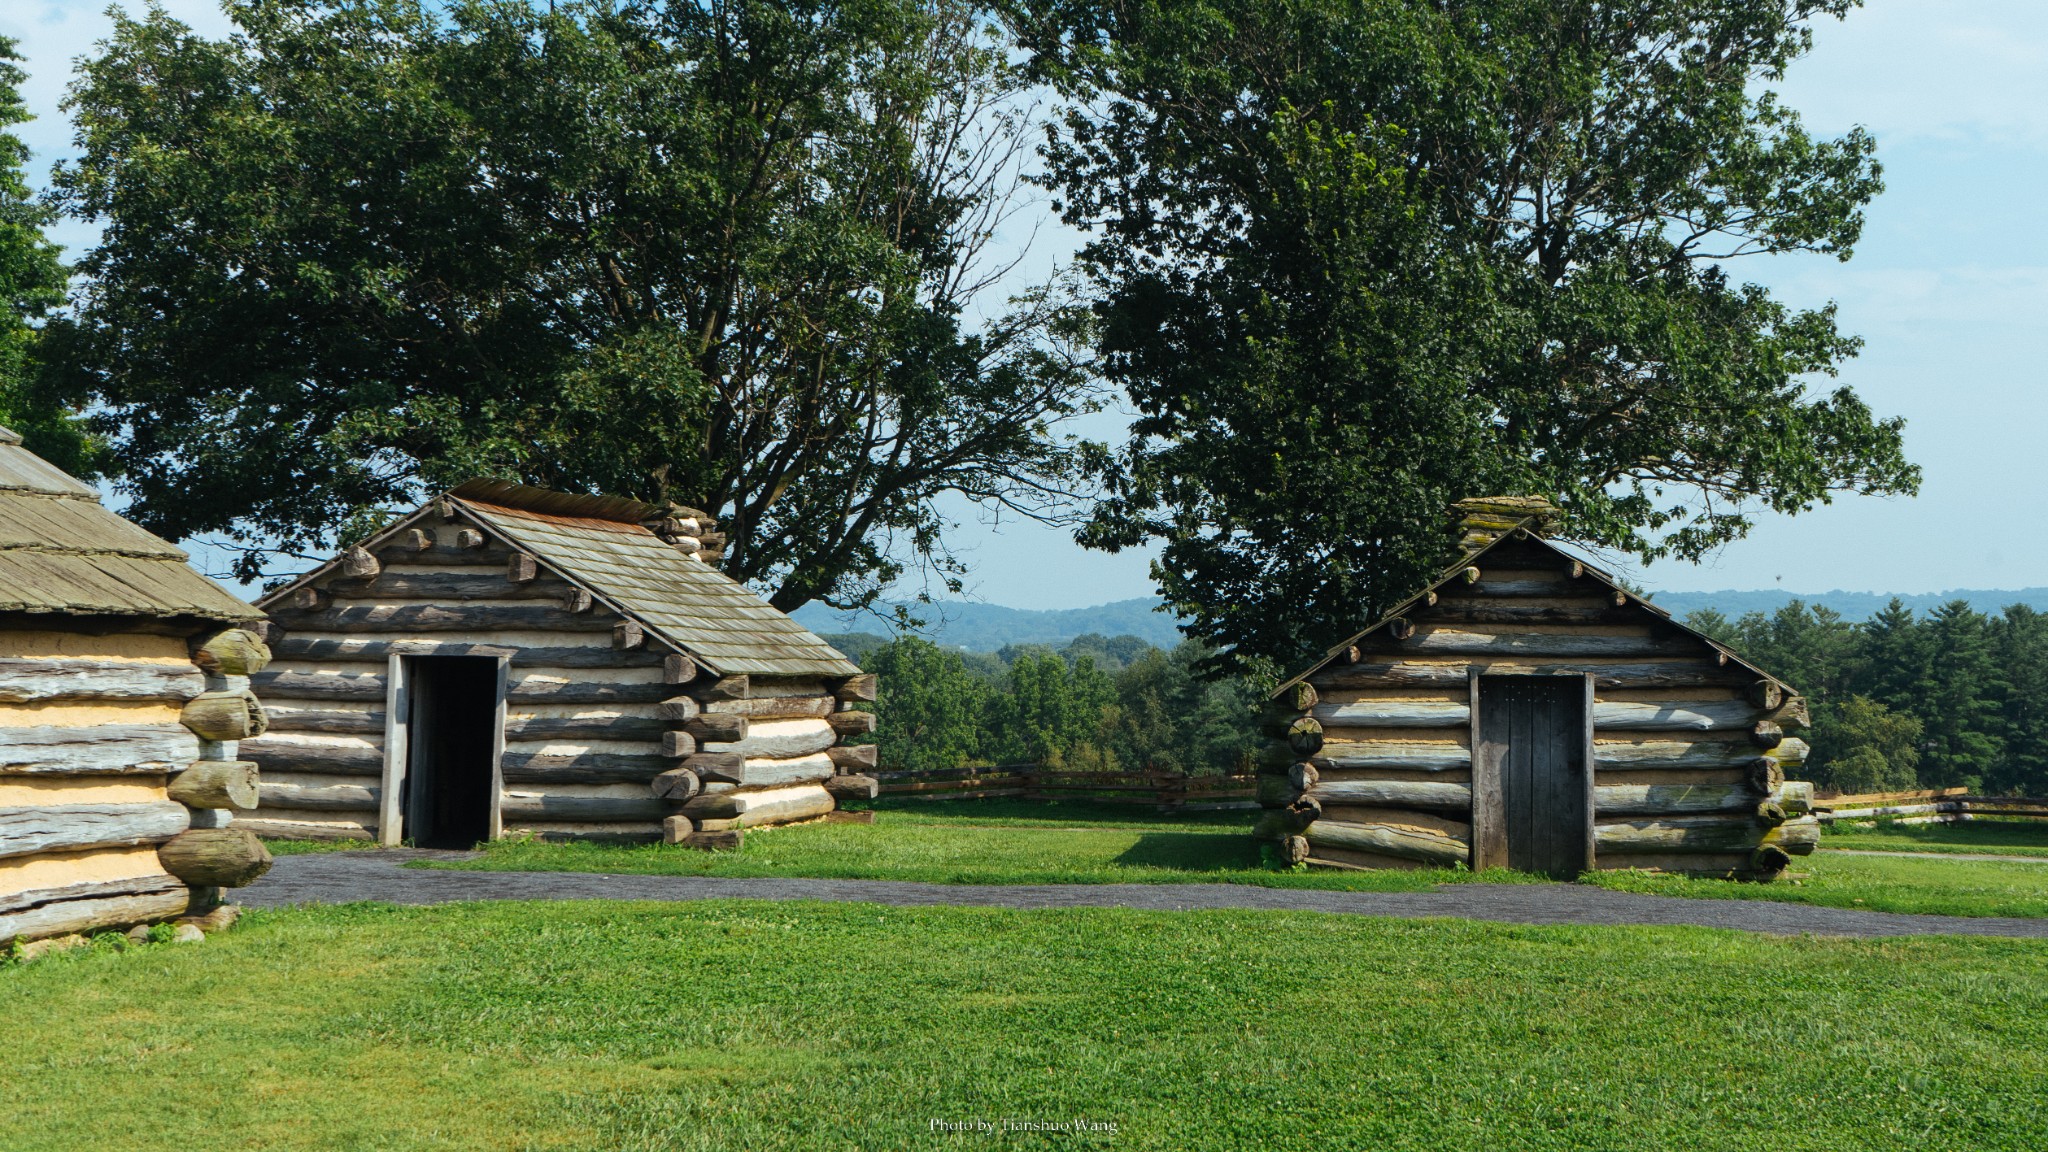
1531, 769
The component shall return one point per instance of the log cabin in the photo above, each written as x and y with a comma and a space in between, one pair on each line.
512, 660
1525, 710
123, 693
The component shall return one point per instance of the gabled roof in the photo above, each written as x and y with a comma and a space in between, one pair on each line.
62, 552
598, 544
1526, 533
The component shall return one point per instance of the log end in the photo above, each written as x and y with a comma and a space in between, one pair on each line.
217, 857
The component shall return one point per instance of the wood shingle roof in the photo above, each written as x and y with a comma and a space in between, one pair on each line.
61, 552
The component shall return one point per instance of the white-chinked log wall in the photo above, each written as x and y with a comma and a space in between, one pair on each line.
1690, 750
97, 732
589, 725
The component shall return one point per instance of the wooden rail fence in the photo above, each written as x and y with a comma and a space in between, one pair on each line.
1938, 806
1165, 790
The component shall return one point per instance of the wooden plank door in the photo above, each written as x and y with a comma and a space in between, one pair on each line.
1532, 784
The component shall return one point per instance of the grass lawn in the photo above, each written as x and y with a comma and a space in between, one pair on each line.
1873, 883
981, 842
1991, 837
746, 1025
989, 842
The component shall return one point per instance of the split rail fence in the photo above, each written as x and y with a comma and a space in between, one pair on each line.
1938, 806
1164, 790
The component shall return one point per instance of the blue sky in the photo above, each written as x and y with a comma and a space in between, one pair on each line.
1949, 289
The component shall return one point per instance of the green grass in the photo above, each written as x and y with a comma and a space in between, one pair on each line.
1873, 883
972, 843
1073, 843
762, 1026
309, 847
1990, 837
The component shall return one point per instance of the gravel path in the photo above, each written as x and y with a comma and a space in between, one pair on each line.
338, 877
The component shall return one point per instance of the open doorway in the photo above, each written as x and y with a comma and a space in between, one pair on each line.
451, 717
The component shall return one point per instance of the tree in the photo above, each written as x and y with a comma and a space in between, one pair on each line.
1354, 262
1168, 718
1870, 748
714, 252
930, 707
1053, 713
1959, 699
2021, 647
31, 285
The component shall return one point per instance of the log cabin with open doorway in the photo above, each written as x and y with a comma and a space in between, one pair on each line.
123, 693
511, 660
1524, 710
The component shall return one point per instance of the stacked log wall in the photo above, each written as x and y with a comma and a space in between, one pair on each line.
603, 725
1372, 762
115, 752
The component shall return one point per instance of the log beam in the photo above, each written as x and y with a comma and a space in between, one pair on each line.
232, 652
215, 857
774, 806
1427, 795
216, 784
852, 723
853, 787
678, 785
1405, 843
855, 757
1704, 834
224, 715
33, 680
724, 688
75, 827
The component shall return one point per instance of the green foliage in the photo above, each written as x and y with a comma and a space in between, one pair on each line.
930, 706
718, 253
1870, 747
31, 287
1352, 262
1101, 704
1955, 699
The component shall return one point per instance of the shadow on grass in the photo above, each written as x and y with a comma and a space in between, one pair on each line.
1191, 852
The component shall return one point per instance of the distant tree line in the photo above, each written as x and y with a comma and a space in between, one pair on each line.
1956, 698
1098, 704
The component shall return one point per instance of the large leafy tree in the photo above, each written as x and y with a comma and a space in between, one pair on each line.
1355, 259
720, 251
31, 285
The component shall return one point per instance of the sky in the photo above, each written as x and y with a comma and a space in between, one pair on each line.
1949, 289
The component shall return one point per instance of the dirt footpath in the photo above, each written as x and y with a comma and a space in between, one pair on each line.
340, 877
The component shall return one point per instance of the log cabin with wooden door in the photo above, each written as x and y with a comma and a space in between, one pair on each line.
509, 659
1524, 710
123, 693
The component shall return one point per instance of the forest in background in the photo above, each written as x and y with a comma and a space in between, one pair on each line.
1950, 698
1094, 704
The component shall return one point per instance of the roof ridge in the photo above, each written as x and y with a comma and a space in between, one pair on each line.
547, 501
169, 552
50, 493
